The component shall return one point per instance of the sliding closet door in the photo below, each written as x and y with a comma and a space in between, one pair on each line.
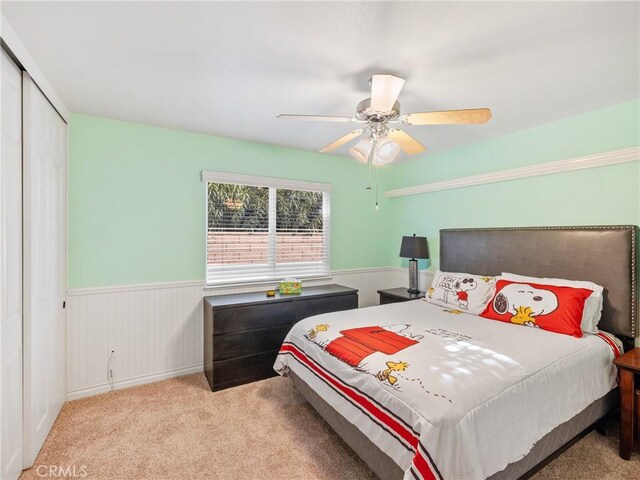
11, 272
44, 227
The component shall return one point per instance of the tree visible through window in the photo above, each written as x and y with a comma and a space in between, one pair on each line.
282, 229
238, 230
299, 222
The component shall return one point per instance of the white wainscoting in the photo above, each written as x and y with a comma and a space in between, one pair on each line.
157, 329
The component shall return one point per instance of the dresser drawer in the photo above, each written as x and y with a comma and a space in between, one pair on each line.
236, 371
384, 299
240, 344
249, 317
318, 306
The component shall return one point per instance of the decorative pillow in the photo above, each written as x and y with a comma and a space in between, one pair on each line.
461, 291
549, 307
592, 307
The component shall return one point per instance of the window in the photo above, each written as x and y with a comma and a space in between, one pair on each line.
265, 229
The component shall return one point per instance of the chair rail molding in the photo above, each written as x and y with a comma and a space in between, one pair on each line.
579, 163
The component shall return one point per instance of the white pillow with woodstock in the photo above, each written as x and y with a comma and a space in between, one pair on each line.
461, 291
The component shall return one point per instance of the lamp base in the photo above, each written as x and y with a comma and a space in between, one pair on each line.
413, 292
413, 276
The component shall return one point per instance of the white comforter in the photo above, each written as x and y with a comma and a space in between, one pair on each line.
445, 395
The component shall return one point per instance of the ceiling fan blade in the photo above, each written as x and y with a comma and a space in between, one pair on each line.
409, 144
342, 140
318, 118
448, 117
384, 91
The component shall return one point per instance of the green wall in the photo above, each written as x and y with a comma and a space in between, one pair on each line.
137, 204
604, 195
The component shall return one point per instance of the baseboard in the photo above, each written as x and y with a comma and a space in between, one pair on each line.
132, 382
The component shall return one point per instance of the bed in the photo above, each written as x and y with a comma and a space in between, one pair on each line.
468, 397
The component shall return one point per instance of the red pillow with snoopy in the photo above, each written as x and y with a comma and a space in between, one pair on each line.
549, 307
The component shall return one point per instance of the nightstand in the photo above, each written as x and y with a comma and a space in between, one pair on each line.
629, 366
400, 294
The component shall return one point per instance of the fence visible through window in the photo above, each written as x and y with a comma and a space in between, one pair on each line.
256, 232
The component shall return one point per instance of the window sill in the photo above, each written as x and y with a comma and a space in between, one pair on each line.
225, 286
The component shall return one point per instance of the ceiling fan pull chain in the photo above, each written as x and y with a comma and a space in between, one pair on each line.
372, 152
377, 184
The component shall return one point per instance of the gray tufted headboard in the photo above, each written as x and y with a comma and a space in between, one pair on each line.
606, 255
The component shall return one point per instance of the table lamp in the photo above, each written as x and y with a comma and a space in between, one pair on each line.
413, 248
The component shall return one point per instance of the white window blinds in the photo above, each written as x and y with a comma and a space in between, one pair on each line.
263, 229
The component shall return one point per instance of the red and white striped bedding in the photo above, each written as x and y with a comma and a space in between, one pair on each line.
445, 395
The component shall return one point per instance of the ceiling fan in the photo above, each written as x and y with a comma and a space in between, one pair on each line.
379, 115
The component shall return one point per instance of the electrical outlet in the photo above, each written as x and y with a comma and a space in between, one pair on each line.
112, 352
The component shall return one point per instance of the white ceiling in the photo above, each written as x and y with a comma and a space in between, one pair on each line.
228, 69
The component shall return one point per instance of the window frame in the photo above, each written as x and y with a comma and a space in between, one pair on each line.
271, 183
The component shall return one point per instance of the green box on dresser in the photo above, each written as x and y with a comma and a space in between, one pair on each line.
243, 332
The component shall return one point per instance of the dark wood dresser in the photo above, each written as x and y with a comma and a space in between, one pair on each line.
243, 332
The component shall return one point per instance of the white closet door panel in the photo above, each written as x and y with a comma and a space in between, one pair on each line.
11, 272
44, 227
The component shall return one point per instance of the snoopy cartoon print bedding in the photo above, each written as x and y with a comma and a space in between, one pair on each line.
461, 291
592, 306
445, 394
549, 307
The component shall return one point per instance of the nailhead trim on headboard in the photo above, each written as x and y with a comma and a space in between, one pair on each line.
634, 300
634, 252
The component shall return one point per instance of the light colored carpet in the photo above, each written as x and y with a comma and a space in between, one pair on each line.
265, 430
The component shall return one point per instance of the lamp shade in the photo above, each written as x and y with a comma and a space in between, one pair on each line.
414, 247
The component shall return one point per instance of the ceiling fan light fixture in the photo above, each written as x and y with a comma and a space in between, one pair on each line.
387, 151
360, 151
